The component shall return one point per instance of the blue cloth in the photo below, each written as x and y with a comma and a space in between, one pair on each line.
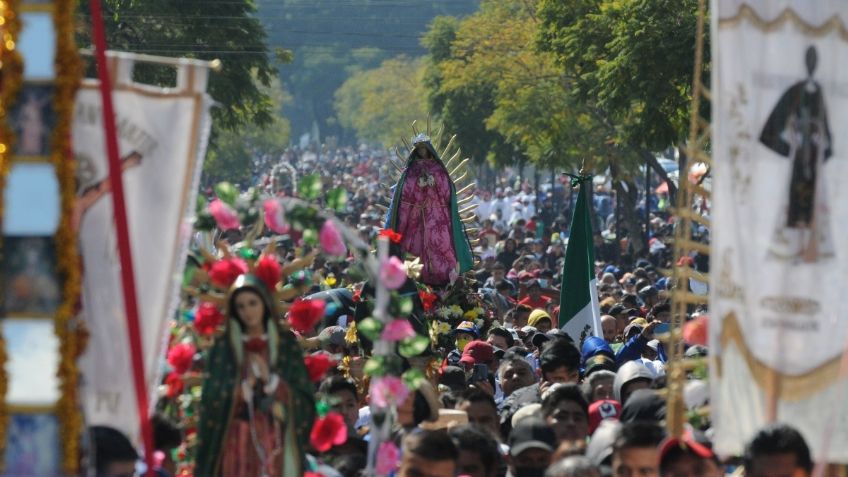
629, 351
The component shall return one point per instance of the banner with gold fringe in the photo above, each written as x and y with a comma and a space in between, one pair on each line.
779, 259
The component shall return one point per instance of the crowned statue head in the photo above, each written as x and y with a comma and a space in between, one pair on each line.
422, 148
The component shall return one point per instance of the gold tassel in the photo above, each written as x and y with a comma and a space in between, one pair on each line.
70, 333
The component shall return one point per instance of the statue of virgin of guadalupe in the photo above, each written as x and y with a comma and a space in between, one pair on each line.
424, 211
258, 404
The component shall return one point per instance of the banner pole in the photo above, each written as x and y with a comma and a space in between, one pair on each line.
122, 230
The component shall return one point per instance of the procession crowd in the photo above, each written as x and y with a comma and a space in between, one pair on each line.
508, 392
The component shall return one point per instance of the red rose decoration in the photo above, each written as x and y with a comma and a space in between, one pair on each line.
305, 314
357, 296
175, 384
181, 356
207, 318
328, 431
268, 270
427, 300
313, 474
317, 365
223, 273
393, 236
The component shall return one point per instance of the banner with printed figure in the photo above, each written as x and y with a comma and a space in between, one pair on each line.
162, 136
779, 242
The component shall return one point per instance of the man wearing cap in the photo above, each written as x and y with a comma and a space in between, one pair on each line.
332, 339
464, 333
479, 352
531, 445
534, 298
691, 454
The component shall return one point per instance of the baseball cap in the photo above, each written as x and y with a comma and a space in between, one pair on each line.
648, 291
602, 410
531, 433
332, 335
467, 327
690, 442
616, 309
539, 338
599, 362
478, 352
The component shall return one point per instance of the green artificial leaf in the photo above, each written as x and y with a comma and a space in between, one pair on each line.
375, 366
413, 346
413, 378
337, 199
248, 253
204, 221
226, 192
201, 204
310, 237
371, 328
405, 305
309, 187
322, 407
303, 218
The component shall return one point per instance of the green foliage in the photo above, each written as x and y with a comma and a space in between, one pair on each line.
632, 60
231, 157
189, 28
333, 39
381, 103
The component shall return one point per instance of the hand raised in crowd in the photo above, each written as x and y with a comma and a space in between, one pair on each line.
484, 386
648, 332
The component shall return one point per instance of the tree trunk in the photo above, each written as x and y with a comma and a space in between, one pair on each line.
655, 165
628, 196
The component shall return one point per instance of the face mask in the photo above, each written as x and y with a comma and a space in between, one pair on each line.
460, 344
543, 282
529, 472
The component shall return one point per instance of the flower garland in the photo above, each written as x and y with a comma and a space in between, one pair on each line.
69, 333
11, 71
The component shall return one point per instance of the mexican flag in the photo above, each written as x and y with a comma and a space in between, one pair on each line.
579, 314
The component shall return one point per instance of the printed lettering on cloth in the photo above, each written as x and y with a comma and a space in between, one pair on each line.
162, 135
779, 212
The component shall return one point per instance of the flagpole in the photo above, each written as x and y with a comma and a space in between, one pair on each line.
122, 231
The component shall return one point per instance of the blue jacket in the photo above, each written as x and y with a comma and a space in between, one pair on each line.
595, 345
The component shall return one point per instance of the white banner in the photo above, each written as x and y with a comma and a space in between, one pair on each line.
162, 137
780, 212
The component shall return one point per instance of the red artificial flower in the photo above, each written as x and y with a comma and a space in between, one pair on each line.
268, 270
328, 431
313, 474
357, 296
207, 318
175, 384
317, 365
393, 236
305, 314
427, 299
181, 356
223, 273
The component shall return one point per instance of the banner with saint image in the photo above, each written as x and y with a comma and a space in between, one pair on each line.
162, 135
779, 243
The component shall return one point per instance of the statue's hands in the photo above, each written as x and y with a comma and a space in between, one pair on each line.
259, 367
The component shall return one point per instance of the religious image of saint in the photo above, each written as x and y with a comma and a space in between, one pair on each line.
424, 211
797, 128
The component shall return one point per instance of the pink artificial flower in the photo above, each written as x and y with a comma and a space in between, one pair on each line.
225, 216
388, 390
388, 456
275, 218
331, 240
397, 330
392, 273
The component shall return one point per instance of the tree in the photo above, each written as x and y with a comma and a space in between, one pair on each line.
189, 29
463, 108
631, 62
380, 104
234, 157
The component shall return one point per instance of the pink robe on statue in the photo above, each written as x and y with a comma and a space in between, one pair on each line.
424, 220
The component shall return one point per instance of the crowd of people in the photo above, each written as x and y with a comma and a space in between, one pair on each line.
508, 392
